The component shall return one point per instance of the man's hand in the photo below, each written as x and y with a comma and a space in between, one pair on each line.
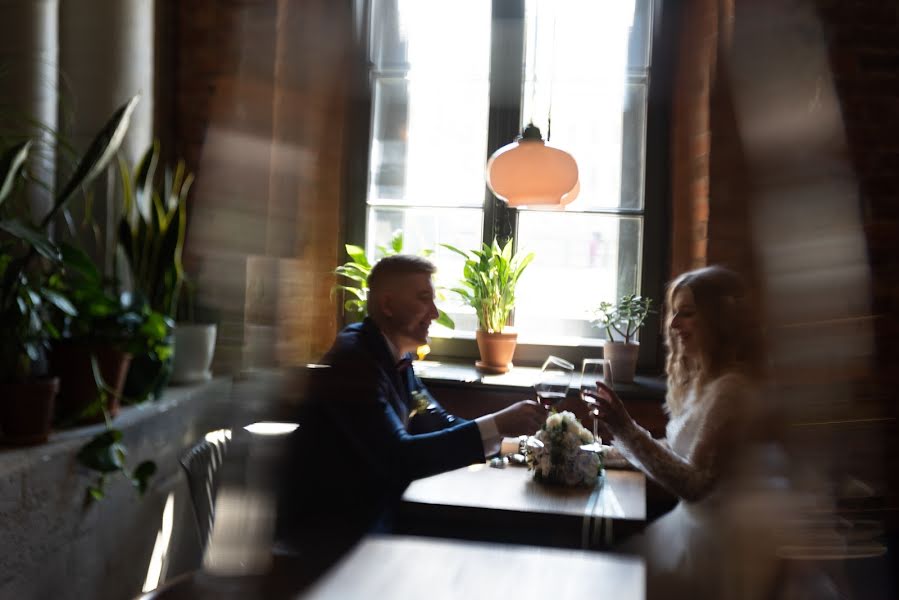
522, 418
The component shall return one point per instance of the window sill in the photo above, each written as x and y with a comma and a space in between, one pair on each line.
522, 379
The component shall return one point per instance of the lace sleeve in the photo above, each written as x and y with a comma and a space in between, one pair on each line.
693, 476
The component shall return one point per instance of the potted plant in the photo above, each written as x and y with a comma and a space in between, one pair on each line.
194, 341
28, 392
105, 454
356, 272
622, 319
29, 261
151, 237
107, 327
488, 284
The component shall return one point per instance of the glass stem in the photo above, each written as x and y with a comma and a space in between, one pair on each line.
593, 414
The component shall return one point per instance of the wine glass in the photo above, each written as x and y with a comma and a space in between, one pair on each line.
593, 370
555, 377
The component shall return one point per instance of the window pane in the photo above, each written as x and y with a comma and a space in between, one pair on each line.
640, 39
429, 137
429, 142
388, 146
586, 98
633, 148
427, 229
581, 260
424, 36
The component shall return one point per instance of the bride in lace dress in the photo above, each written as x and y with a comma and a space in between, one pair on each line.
720, 539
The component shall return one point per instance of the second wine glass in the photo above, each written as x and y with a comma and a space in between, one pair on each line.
593, 370
555, 377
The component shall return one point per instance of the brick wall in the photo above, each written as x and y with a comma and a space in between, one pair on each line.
258, 115
864, 56
691, 136
781, 215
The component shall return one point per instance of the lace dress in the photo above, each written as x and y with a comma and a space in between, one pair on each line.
720, 540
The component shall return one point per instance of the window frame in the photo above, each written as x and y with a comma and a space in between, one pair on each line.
504, 120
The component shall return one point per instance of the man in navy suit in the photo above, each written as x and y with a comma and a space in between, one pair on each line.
368, 426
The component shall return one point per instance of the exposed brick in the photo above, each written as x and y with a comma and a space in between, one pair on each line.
699, 188
700, 209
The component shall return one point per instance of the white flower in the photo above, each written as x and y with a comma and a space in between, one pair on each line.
586, 436
561, 458
554, 421
570, 442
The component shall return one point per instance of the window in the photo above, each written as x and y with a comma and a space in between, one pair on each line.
450, 83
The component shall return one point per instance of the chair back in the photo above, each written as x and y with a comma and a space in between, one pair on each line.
202, 463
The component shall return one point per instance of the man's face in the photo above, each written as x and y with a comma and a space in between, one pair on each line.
409, 308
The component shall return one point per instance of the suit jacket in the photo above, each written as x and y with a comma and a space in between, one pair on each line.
359, 446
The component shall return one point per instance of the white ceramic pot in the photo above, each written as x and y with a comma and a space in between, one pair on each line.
622, 360
194, 348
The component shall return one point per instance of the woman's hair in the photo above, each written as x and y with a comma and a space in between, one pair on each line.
730, 335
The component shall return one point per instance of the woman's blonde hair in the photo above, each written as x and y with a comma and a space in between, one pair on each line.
730, 335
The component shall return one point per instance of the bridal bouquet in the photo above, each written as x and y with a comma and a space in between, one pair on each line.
560, 459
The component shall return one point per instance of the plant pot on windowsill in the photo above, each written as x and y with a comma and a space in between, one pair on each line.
489, 277
194, 349
622, 319
622, 357
70, 360
26, 412
497, 349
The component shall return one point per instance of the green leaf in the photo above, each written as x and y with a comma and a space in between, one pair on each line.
444, 319
396, 242
99, 153
454, 249
352, 274
141, 475
75, 258
102, 453
143, 180
126, 240
37, 240
360, 294
11, 163
96, 492
60, 302
357, 254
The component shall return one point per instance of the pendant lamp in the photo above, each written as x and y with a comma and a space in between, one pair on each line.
529, 172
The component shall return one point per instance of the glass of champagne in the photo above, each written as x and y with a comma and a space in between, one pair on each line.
593, 370
555, 377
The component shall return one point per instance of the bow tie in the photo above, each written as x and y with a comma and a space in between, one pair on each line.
403, 364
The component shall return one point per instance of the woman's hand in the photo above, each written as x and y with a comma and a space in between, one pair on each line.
610, 408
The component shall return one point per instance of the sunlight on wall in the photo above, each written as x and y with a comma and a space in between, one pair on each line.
161, 547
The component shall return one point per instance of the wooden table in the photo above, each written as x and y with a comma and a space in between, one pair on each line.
506, 505
399, 567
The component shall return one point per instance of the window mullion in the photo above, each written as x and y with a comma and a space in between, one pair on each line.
506, 60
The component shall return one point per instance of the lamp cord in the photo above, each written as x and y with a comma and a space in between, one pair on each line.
552, 78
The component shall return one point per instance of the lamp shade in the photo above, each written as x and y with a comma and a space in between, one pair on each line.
529, 172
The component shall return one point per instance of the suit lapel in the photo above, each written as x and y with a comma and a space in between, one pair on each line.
400, 397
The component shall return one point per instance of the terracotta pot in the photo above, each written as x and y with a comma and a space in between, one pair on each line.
496, 351
26, 412
622, 360
71, 362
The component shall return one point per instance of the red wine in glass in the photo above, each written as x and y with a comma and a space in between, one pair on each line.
555, 376
549, 397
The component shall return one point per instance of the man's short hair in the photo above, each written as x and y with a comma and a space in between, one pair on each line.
398, 264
